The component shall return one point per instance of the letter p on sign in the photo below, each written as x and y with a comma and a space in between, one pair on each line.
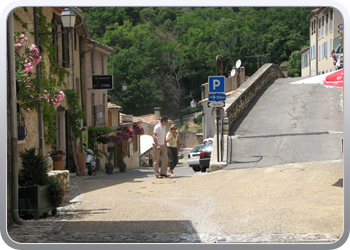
216, 84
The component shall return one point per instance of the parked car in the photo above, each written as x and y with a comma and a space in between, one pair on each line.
193, 158
204, 156
337, 55
210, 139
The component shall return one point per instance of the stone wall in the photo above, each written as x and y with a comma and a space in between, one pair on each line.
244, 95
190, 139
63, 177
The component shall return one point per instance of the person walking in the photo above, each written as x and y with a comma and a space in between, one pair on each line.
160, 148
173, 143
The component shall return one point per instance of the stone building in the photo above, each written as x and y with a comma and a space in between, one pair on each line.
325, 42
69, 61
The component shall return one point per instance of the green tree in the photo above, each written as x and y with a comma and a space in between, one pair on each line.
158, 48
294, 64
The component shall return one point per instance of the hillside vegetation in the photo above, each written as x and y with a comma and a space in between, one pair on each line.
166, 53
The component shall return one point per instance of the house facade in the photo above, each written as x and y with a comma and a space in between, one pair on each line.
69, 59
325, 42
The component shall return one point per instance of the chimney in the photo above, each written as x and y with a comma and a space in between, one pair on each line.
157, 112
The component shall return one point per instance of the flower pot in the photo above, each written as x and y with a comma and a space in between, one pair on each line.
56, 158
81, 160
109, 169
35, 200
58, 165
122, 167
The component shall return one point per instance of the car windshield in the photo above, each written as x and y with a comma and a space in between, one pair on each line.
197, 149
208, 146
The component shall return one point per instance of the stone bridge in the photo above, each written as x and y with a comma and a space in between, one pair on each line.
237, 102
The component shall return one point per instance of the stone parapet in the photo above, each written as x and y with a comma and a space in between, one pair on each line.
63, 177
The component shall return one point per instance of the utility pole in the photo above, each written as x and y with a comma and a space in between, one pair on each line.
258, 56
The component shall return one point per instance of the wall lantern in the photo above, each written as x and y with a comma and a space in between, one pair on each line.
68, 18
124, 85
193, 103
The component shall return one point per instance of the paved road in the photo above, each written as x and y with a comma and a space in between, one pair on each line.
275, 204
287, 203
288, 123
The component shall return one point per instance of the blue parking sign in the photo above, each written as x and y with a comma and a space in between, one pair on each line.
216, 84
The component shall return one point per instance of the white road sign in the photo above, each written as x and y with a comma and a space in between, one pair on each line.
216, 104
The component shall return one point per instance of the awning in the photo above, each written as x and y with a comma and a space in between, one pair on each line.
129, 131
146, 144
334, 80
138, 129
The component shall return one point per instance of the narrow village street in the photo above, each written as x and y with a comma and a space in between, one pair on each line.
300, 203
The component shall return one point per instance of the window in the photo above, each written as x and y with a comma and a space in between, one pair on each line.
312, 52
61, 41
331, 21
304, 61
319, 52
327, 24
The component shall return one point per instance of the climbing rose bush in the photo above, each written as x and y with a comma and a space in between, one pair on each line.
26, 59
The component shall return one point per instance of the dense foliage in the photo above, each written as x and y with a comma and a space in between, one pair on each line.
166, 53
34, 168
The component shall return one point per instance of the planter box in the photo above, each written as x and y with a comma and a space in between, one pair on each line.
35, 200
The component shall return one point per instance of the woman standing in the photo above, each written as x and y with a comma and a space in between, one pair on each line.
173, 143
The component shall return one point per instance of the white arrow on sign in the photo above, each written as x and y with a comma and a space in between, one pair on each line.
216, 104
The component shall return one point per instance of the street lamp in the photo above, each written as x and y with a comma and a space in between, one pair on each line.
68, 18
193, 103
124, 85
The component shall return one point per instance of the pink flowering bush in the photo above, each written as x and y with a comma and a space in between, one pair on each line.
26, 59
118, 137
57, 190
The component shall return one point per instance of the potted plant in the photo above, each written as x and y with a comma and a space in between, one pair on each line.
57, 191
103, 139
76, 115
56, 154
108, 166
120, 160
35, 196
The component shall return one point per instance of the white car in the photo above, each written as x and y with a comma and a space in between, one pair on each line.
193, 158
208, 140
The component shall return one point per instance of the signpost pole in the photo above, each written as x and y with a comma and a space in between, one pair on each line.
217, 133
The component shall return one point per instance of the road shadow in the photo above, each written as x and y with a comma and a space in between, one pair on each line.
103, 180
144, 231
339, 183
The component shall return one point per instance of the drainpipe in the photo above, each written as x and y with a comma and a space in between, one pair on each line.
73, 43
81, 74
38, 73
316, 45
13, 122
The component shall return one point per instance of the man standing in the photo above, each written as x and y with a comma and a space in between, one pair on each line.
160, 148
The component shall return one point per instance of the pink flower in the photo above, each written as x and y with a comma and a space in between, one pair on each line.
28, 109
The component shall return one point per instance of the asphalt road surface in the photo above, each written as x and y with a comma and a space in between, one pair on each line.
288, 123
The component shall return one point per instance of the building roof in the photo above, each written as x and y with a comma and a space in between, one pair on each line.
100, 45
113, 106
149, 118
